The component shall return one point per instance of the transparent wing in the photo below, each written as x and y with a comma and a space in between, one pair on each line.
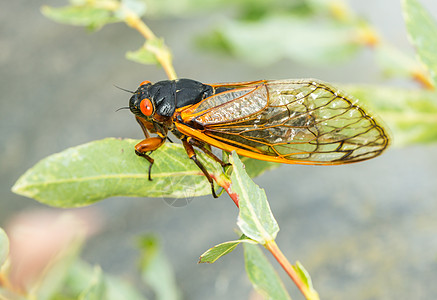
304, 121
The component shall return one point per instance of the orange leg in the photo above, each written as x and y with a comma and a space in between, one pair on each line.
149, 144
145, 126
192, 155
207, 151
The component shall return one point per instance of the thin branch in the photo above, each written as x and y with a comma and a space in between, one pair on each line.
285, 264
422, 77
369, 36
162, 54
272, 246
225, 183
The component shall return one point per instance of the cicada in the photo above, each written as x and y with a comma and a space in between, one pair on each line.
285, 121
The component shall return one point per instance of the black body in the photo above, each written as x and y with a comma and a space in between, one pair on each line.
168, 95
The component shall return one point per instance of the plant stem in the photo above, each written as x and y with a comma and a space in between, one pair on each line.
162, 54
422, 78
285, 264
310, 294
225, 183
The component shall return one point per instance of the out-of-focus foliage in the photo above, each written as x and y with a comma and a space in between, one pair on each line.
274, 37
422, 31
4, 247
94, 14
156, 270
262, 32
57, 272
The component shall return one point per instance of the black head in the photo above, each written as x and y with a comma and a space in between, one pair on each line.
137, 106
158, 99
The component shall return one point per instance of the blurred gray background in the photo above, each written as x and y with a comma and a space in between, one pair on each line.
363, 231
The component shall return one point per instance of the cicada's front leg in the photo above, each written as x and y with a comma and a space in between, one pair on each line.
148, 145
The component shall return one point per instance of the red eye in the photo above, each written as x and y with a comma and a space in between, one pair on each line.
146, 107
144, 82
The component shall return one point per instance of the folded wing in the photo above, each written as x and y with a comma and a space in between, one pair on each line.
288, 121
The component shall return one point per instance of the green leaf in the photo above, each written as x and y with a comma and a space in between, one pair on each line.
147, 53
255, 167
157, 271
92, 17
95, 14
255, 218
96, 288
305, 277
214, 253
4, 247
422, 31
107, 168
410, 114
262, 275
